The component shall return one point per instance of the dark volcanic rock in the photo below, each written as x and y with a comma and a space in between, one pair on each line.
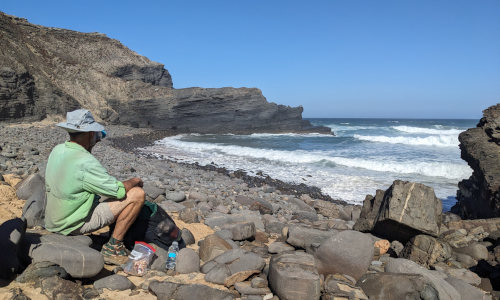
49, 71
403, 211
479, 196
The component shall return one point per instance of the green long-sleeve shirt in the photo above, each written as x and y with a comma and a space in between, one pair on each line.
72, 179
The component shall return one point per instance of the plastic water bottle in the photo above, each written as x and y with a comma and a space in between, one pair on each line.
172, 255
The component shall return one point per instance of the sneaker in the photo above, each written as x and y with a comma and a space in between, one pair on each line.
115, 254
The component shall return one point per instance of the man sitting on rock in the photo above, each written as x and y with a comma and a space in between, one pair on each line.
75, 180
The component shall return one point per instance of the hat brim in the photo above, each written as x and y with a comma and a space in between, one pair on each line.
86, 128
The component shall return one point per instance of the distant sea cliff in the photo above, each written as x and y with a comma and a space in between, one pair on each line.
49, 71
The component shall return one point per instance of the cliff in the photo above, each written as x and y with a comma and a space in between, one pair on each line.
49, 71
479, 196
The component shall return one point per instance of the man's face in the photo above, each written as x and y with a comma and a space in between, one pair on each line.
94, 138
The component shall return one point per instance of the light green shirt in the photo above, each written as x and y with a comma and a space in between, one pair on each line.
72, 179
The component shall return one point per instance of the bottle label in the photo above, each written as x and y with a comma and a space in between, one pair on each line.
172, 255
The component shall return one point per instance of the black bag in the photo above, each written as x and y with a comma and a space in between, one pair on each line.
153, 225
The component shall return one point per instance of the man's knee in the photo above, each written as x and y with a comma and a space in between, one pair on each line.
137, 195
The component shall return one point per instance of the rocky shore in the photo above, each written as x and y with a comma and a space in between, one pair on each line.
246, 238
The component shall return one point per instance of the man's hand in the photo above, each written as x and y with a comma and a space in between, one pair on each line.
133, 182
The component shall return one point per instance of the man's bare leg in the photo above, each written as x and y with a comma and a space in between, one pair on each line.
128, 215
126, 211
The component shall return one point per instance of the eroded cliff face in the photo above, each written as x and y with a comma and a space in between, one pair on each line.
49, 71
479, 196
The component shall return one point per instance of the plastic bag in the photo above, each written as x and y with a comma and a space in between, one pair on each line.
139, 259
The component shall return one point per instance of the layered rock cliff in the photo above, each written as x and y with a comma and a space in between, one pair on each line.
49, 71
479, 196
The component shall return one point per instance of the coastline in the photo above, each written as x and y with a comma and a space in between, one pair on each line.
149, 136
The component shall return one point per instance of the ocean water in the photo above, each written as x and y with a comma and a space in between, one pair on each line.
363, 156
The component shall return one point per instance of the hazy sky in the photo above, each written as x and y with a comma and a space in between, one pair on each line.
351, 58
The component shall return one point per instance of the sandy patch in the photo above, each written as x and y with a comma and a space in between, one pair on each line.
199, 230
10, 206
12, 179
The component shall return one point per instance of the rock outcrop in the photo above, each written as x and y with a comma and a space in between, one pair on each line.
479, 196
403, 211
49, 71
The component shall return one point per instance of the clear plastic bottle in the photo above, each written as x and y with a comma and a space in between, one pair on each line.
173, 250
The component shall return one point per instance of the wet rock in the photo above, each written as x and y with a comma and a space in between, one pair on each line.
212, 246
294, 276
406, 209
426, 250
381, 286
188, 261
114, 282
347, 252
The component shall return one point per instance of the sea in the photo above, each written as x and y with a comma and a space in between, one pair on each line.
362, 156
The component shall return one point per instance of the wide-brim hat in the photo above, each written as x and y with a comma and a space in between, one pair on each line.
80, 120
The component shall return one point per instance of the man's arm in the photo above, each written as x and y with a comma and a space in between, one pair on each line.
133, 182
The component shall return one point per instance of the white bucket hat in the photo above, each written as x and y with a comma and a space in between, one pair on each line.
80, 120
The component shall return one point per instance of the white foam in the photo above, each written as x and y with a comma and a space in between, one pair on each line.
439, 140
410, 129
433, 169
271, 135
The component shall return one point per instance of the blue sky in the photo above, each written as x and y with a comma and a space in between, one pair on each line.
351, 58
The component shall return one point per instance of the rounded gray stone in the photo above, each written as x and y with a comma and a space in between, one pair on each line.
175, 196
114, 282
188, 261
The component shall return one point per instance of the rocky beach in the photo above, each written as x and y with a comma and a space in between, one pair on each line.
248, 239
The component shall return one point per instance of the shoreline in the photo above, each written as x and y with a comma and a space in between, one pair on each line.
142, 140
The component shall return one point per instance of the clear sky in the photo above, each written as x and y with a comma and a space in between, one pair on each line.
350, 58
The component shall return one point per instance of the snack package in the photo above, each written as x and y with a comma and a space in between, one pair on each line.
139, 259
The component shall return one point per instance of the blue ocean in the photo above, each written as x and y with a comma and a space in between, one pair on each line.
364, 155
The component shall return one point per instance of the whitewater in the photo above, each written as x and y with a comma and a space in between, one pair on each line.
364, 155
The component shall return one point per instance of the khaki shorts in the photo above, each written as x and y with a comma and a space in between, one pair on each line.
100, 216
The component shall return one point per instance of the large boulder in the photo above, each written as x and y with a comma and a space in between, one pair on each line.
403, 266
347, 252
401, 212
70, 252
479, 196
233, 266
382, 286
32, 189
217, 219
188, 261
294, 276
